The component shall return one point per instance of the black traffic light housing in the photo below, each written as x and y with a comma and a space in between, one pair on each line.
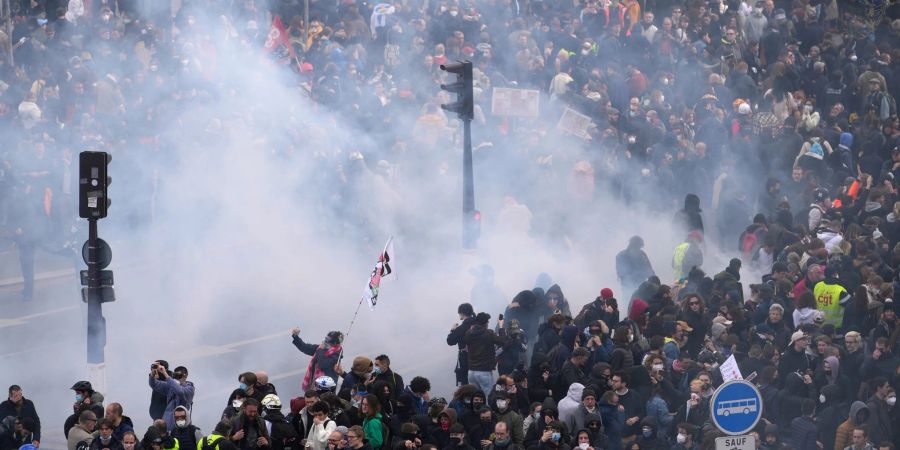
93, 185
464, 105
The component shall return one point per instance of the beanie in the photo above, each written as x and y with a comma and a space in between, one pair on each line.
606, 293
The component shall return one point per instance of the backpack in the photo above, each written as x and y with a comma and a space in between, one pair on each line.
385, 430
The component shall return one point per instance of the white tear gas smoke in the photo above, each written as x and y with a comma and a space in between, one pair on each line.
256, 214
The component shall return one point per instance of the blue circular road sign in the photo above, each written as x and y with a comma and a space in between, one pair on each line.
736, 407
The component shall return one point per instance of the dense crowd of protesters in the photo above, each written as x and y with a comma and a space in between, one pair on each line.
775, 121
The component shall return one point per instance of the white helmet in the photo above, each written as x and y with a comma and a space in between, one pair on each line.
325, 383
271, 401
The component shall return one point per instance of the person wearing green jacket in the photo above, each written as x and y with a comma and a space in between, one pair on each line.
372, 424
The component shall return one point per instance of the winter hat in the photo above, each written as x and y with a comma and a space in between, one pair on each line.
606, 293
776, 307
588, 393
638, 307
361, 364
716, 330
846, 140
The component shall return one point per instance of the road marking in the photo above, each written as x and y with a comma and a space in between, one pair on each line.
24, 319
204, 351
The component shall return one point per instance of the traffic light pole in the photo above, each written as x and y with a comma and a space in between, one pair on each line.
468, 188
96, 329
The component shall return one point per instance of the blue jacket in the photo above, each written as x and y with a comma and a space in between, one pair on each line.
659, 410
177, 394
613, 424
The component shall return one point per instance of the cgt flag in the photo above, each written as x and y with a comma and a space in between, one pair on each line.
278, 44
381, 270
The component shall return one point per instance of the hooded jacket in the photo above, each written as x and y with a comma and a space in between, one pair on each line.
571, 402
845, 430
480, 343
189, 435
176, 394
831, 414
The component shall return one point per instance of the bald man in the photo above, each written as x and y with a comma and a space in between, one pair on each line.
263, 386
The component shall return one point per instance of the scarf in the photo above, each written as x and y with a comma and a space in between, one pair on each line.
313, 371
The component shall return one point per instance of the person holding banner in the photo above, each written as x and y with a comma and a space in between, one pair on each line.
326, 357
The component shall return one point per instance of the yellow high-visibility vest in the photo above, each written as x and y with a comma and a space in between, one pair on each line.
828, 297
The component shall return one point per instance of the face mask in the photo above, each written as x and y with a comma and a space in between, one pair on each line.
355, 403
459, 441
79, 398
237, 403
376, 370
243, 387
467, 401
662, 98
630, 336
821, 398
181, 423
891, 400
502, 404
584, 445
658, 367
536, 415
853, 58
681, 438
647, 432
454, 13
105, 438
585, 52
555, 436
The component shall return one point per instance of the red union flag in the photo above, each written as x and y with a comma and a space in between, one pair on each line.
278, 44
381, 270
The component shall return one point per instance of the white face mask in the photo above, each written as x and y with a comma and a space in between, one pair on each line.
583, 445
821, 398
891, 401
181, 423
658, 367
681, 438
502, 404
237, 403
630, 336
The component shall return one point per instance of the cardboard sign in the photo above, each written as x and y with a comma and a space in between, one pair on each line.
515, 102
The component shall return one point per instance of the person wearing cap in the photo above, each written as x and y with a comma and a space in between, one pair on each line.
482, 344
578, 419
599, 309
458, 439
361, 372
819, 207
794, 358
728, 281
831, 297
82, 432
86, 399
632, 265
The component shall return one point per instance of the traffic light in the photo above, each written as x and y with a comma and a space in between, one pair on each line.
93, 184
464, 105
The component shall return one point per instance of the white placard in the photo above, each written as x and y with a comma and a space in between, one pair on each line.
574, 122
515, 102
746, 442
730, 370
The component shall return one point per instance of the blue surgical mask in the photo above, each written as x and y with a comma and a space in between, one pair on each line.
79, 398
376, 370
555, 437
243, 387
647, 432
